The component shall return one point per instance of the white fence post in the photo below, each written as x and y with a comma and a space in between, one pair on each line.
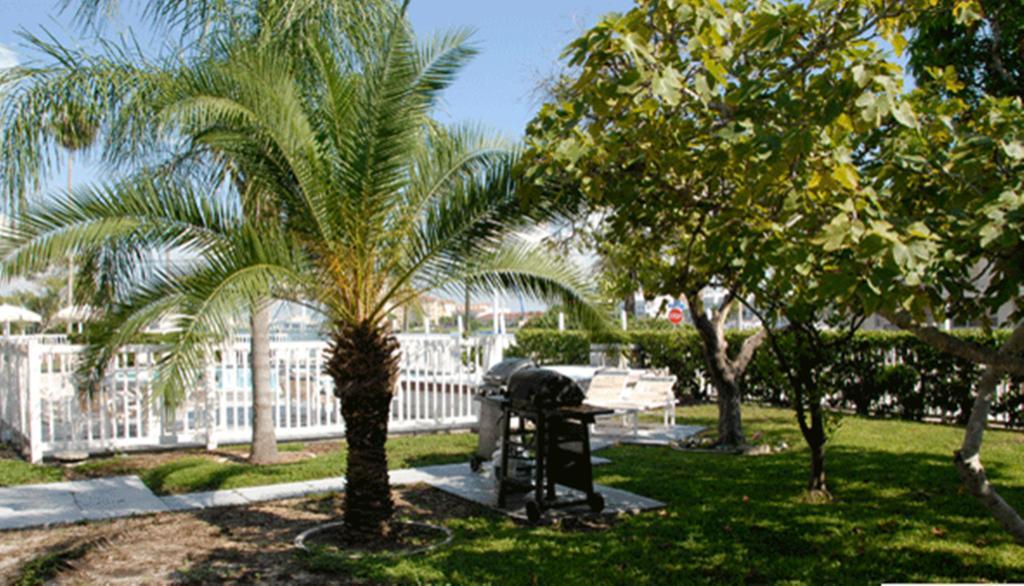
35, 404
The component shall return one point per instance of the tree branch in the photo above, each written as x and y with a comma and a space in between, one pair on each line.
977, 353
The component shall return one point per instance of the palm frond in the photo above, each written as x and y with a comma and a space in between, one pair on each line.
146, 212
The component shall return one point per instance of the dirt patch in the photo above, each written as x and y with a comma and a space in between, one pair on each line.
227, 545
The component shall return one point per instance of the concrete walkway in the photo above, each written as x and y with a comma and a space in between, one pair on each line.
43, 505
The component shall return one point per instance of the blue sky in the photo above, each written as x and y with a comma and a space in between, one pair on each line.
520, 42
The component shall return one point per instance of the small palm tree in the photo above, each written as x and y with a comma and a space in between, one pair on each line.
62, 105
368, 204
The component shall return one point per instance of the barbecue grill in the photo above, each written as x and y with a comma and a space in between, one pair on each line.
553, 431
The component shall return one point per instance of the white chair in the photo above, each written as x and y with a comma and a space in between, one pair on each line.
607, 387
650, 393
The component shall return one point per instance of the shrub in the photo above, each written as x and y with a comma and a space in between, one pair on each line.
862, 376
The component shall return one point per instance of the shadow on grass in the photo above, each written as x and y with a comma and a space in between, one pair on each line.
742, 519
732, 519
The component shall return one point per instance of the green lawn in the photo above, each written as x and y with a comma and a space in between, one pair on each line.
899, 515
14, 471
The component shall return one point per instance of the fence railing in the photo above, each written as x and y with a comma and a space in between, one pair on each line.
43, 412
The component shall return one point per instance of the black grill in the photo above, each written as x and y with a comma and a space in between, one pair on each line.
551, 441
538, 388
496, 379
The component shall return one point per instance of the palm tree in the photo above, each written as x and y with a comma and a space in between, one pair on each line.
369, 204
121, 85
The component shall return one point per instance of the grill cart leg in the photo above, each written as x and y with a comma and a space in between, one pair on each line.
541, 460
502, 473
533, 511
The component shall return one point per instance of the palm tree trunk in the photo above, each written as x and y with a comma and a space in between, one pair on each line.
264, 440
363, 362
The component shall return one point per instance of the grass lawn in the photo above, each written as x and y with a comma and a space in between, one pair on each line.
899, 513
197, 470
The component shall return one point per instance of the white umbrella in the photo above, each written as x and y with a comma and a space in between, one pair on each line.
74, 314
13, 313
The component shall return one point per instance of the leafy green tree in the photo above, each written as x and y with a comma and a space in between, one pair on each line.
694, 125
933, 231
374, 204
954, 254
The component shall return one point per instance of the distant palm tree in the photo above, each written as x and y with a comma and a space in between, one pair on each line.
369, 203
75, 129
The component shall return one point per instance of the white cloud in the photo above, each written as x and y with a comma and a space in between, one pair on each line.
8, 58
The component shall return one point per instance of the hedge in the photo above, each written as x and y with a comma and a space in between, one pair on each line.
880, 372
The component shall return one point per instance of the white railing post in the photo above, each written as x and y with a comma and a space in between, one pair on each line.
35, 404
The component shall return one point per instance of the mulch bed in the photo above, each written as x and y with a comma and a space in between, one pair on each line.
228, 545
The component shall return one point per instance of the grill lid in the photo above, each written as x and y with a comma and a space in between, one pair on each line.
498, 376
539, 387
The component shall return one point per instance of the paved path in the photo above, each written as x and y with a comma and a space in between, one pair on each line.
43, 505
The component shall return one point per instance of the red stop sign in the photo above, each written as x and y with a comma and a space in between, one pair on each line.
675, 315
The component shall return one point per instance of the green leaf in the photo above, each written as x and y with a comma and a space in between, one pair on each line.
904, 114
715, 69
667, 85
700, 83
847, 176
1014, 149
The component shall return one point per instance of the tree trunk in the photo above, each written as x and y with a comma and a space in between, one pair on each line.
816, 442
629, 304
726, 373
264, 439
363, 362
716, 357
968, 457
730, 420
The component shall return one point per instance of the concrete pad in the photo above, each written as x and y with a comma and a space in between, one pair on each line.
407, 476
203, 500
606, 436
459, 480
38, 497
118, 496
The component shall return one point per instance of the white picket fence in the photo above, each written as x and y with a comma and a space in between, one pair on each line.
43, 413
